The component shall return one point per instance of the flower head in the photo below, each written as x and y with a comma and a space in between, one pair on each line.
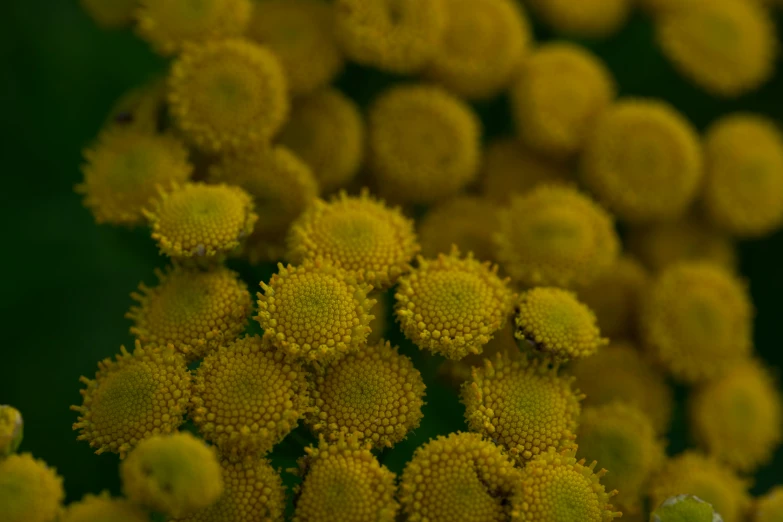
11, 428
688, 508
769, 507
110, 14
103, 508
141, 108
30, 491
465, 221
586, 18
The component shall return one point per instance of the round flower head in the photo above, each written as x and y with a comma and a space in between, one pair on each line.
375, 393
482, 47
359, 234
555, 235
201, 220
465, 221
282, 187
344, 481
423, 143
327, 132
173, 474
253, 492
169, 24
301, 34
557, 324
30, 491
123, 170
738, 417
523, 405
555, 487
743, 191
102, 508
643, 160
586, 18
228, 94
452, 305
697, 321
457, 477
685, 508
623, 440
142, 108
192, 310
557, 96
694, 474
11, 429
723, 46
769, 508
510, 168
399, 36
141, 394
247, 397
110, 14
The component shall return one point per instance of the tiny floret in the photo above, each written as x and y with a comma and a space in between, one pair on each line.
11, 430
30, 491
103, 508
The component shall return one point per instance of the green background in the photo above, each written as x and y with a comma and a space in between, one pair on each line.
66, 280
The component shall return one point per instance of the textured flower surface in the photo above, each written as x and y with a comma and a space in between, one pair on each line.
30, 491
103, 508
465, 221
586, 18
769, 508
11, 429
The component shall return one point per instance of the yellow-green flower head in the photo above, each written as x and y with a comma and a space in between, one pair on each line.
560, 91
452, 305
30, 491
615, 297
123, 170
192, 310
11, 429
725, 47
555, 235
253, 492
247, 396
557, 324
685, 508
623, 440
586, 18
301, 33
327, 132
172, 474
360, 234
555, 487
201, 220
743, 192
103, 508
697, 321
465, 221
375, 393
142, 108
282, 187
344, 481
423, 143
691, 473
482, 47
738, 417
139, 395
457, 477
510, 168
769, 508
110, 14
523, 405
399, 36
643, 160
228, 95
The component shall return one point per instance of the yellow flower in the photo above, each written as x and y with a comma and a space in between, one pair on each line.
697, 321
375, 393
344, 481
11, 428
359, 234
30, 491
228, 95
618, 372
327, 132
123, 170
482, 47
561, 90
555, 235
769, 508
247, 397
694, 474
301, 34
738, 418
142, 108
643, 160
452, 305
725, 47
103, 508
743, 191
557, 324
685, 508
457, 477
201, 220
623, 440
174, 474
465, 221
585, 18
523, 405
399, 36
140, 395
555, 487
110, 14
423, 143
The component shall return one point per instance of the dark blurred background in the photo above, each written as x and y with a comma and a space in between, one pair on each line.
67, 281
